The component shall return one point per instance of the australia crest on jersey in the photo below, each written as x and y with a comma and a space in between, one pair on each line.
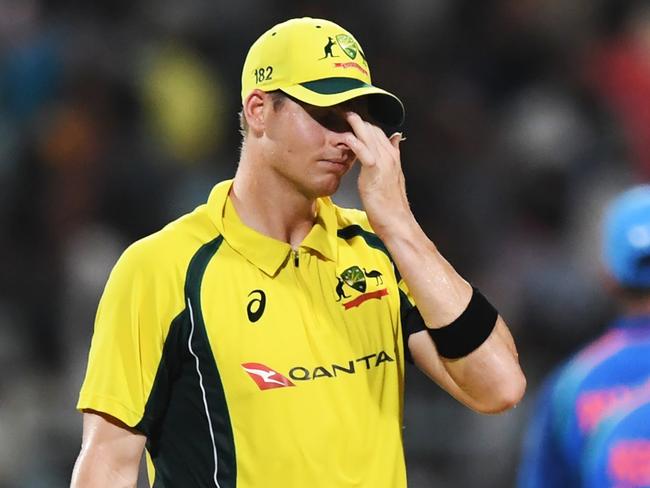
357, 285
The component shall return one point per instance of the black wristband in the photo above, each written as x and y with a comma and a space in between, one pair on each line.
468, 331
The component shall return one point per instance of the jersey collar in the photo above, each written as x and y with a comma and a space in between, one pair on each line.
264, 252
322, 236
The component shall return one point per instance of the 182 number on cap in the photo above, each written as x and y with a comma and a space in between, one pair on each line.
263, 74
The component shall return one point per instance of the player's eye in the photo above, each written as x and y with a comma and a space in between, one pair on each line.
331, 119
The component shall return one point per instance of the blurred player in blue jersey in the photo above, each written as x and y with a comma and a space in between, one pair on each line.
603, 379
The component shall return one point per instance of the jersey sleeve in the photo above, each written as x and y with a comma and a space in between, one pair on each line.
133, 318
410, 316
412, 321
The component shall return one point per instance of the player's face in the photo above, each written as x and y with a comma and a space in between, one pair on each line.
308, 144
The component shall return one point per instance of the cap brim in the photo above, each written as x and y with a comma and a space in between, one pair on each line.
383, 106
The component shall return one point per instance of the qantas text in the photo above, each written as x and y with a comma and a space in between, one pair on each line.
302, 373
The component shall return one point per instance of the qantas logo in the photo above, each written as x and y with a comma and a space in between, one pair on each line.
267, 378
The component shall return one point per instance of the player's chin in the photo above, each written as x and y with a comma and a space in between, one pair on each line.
328, 184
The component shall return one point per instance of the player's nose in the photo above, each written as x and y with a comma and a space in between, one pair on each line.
338, 140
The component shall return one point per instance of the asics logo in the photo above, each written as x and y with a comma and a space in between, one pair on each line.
255, 308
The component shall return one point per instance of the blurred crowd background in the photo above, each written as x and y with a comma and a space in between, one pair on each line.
523, 118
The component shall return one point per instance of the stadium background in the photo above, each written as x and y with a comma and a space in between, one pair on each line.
116, 116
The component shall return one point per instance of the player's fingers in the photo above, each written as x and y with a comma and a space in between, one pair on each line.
395, 139
382, 146
359, 126
386, 143
363, 153
379, 150
371, 136
386, 148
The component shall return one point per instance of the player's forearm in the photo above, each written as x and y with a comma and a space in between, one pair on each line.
440, 293
110, 453
489, 378
93, 470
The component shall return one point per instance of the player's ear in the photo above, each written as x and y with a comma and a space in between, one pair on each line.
253, 109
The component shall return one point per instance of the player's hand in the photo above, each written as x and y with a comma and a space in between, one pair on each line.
381, 181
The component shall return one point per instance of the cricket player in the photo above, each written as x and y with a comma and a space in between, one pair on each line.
260, 340
606, 376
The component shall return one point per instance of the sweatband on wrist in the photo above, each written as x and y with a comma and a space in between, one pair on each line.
468, 331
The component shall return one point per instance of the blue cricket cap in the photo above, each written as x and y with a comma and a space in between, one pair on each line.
626, 239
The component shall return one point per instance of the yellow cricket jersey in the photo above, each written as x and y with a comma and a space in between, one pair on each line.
250, 365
